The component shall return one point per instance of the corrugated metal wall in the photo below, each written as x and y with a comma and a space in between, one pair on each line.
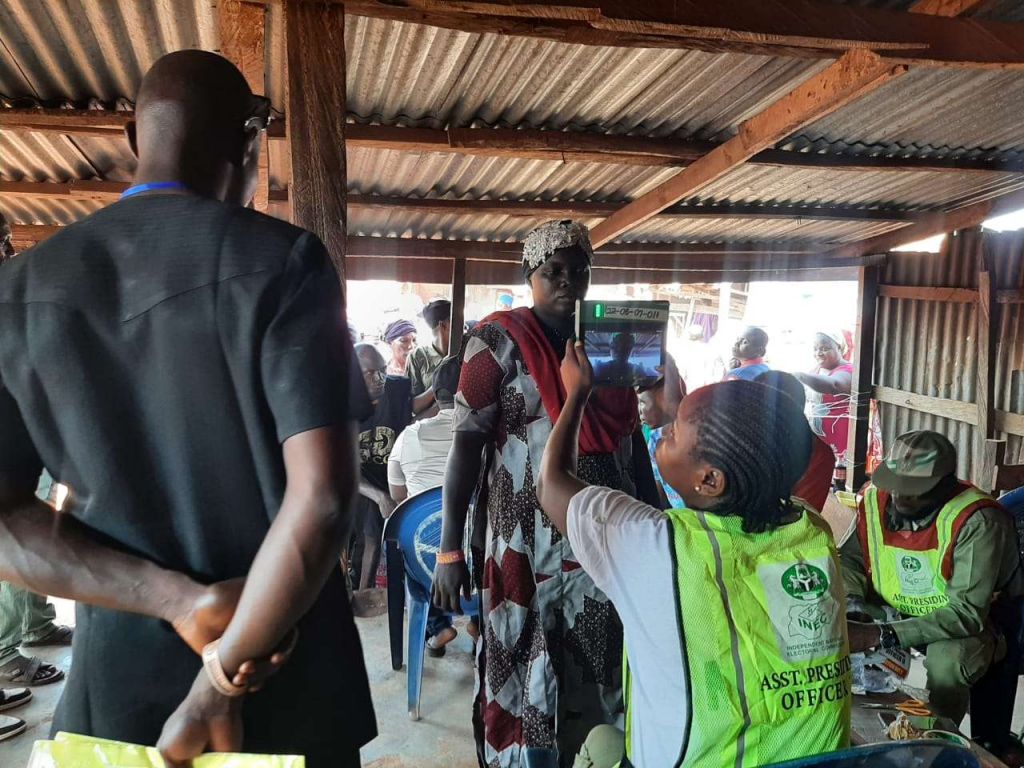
931, 348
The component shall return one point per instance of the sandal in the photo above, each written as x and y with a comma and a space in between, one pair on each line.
14, 697
436, 648
59, 635
11, 727
26, 671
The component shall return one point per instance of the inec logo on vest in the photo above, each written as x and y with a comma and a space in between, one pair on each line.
802, 608
915, 574
805, 582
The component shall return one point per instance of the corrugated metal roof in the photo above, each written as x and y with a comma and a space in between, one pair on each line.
440, 174
77, 49
29, 156
937, 112
401, 73
770, 184
37, 210
410, 74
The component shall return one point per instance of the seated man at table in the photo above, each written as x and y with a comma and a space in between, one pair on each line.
938, 552
392, 412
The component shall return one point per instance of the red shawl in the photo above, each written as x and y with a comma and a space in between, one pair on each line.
611, 413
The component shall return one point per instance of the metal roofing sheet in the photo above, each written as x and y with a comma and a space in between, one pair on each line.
77, 49
30, 156
418, 75
391, 172
37, 210
915, 190
937, 112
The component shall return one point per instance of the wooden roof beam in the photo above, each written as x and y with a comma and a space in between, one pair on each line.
852, 75
584, 209
796, 28
529, 143
580, 147
505, 274
110, 191
934, 224
85, 122
947, 8
487, 250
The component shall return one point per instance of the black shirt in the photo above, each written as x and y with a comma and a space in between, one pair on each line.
154, 357
378, 433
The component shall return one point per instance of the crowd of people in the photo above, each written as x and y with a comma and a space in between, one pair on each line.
658, 586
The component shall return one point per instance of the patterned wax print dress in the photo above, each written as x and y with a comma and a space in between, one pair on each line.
551, 658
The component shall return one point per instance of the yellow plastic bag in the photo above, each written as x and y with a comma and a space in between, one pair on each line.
72, 750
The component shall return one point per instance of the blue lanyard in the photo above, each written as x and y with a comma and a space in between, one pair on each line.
140, 188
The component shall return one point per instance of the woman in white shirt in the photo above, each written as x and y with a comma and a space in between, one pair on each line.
752, 667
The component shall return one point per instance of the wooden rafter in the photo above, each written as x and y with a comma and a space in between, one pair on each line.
850, 76
242, 39
948, 8
104, 191
584, 209
532, 143
579, 147
83, 122
649, 257
505, 274
934, 224
798, 28
108, 191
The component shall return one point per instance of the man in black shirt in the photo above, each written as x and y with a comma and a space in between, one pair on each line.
392, 411
181, 362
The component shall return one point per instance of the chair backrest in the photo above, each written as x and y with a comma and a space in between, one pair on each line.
415, 526
923, 753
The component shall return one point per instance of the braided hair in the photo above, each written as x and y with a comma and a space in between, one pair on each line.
759, 439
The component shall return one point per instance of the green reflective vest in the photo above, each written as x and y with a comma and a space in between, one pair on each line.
762, 618
909, 569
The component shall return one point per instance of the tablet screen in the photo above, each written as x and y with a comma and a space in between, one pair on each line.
625, 340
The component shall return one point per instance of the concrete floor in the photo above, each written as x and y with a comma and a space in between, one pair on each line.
443, 738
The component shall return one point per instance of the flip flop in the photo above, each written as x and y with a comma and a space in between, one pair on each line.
437, 650
14, 697
30, 671
11, 727
59, 635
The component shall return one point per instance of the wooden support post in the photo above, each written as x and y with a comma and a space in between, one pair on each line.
316, 122
993, 455
986, 374
242, 36
863, 375
458, 306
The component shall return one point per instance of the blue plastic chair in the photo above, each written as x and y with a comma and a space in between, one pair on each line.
922, 753
412, 538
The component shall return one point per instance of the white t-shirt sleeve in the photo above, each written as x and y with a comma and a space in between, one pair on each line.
615, 537
395, 474
626, 548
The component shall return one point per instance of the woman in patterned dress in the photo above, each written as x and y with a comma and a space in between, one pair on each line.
549, 666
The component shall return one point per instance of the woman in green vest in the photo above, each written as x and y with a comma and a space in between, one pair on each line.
736, 651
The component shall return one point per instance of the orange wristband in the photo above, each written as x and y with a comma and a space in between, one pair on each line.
447, 558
